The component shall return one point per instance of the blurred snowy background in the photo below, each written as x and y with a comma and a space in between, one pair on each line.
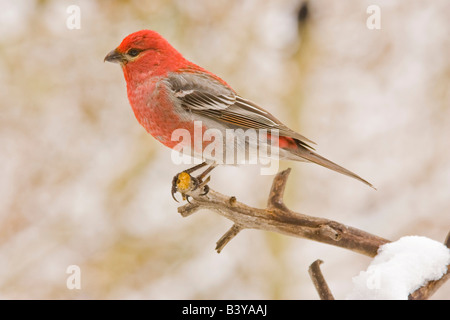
83, 184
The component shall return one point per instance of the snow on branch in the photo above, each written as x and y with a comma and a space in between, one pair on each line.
401, 268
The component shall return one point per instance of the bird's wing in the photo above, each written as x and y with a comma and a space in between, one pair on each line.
205, 96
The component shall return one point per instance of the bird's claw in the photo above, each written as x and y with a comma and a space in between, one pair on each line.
174, 188
183, 183
205, 190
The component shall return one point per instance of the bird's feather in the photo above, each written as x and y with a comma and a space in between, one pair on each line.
206, 97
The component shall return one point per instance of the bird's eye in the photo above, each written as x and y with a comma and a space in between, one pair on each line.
133, 52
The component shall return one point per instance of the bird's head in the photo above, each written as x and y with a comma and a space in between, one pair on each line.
144, 50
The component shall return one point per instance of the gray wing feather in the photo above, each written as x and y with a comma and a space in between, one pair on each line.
202, 95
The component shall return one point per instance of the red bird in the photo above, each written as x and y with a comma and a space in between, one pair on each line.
169, 93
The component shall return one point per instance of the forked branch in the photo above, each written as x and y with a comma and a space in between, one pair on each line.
277, 217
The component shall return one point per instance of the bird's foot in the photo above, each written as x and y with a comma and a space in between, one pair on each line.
185, 183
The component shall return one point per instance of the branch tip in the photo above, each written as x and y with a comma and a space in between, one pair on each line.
230, 234
277, 190
330, 232
188, 209
319, 281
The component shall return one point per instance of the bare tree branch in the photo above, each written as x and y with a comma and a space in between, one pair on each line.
319, 281
230, 234
278, 218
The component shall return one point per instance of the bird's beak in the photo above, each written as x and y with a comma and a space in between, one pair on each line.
114, 56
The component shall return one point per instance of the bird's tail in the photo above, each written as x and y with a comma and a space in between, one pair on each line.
306, 154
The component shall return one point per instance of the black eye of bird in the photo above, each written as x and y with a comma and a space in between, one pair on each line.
133, 52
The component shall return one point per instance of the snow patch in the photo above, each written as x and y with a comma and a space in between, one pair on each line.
400, 268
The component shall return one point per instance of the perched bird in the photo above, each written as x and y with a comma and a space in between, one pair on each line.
168, 93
